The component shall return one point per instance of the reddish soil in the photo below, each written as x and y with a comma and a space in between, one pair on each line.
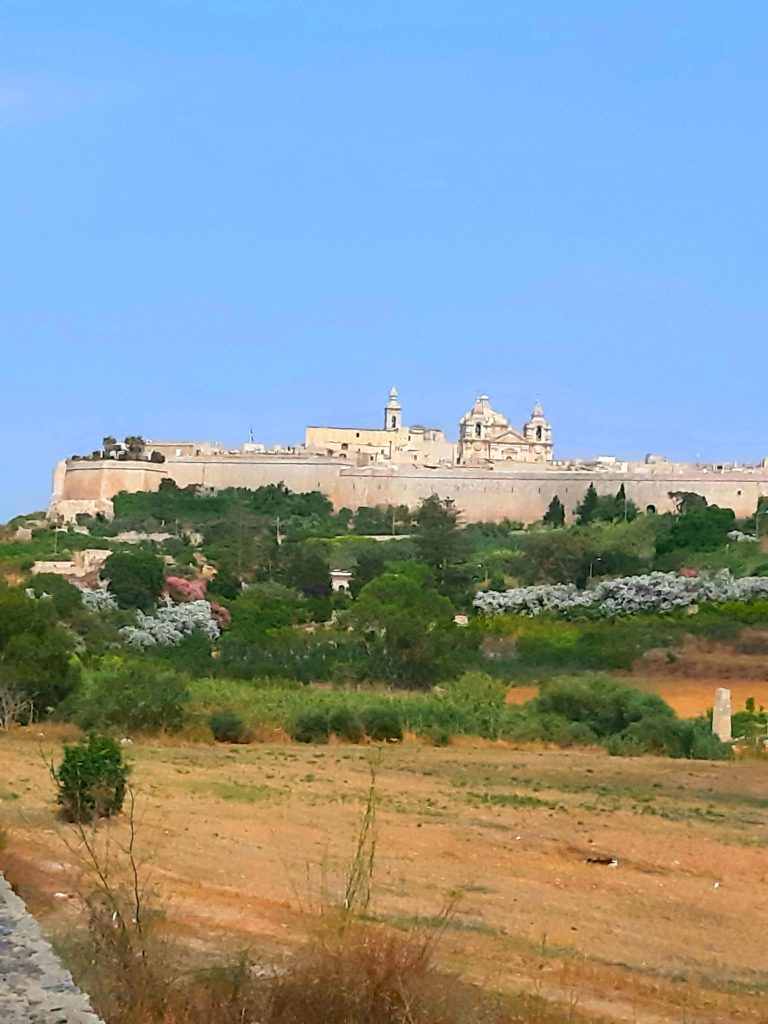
245, 842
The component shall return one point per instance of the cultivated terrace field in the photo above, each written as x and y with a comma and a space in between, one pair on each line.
619, 889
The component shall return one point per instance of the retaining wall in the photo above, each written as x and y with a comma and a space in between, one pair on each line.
35, 988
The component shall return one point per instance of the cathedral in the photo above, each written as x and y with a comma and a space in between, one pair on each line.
485, 438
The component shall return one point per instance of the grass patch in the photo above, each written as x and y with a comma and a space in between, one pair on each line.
433, 922
248, 794
513, 800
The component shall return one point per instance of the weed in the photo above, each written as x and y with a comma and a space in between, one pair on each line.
513, 800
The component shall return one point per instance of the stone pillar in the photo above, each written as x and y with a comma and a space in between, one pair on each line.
721, 714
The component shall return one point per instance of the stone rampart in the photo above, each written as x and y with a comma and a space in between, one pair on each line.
521, 493
34, 986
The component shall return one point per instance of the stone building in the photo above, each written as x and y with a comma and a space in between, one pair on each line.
493, 472
485, 437
391, 443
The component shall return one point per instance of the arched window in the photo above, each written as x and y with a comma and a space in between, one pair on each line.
394, 422
538, 433
478, 430
650, 509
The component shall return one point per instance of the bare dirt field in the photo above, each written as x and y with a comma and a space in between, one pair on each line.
242, 840
690, 697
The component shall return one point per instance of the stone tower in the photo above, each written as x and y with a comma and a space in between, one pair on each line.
393, 414
538, 433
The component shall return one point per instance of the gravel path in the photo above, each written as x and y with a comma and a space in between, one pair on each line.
34, 987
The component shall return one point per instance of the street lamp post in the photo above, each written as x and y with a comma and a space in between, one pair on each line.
757, 521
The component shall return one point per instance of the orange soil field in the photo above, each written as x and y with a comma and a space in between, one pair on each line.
688, 696
241, 841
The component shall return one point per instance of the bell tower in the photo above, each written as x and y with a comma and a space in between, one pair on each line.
538, 433
393, 413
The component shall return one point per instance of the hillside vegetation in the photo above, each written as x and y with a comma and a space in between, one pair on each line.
222, 606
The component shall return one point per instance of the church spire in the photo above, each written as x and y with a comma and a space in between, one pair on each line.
393, 413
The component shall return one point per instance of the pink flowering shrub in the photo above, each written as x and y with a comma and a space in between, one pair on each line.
220, 615
181, 591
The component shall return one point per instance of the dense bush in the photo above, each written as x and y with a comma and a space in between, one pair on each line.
228, 727
310, 727
605, 706
671, 737
382, 724
135, 577
170, 624
37, 653
346, 725
91, 779
407, 634
134, 696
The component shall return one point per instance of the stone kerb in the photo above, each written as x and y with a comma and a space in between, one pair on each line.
35, 988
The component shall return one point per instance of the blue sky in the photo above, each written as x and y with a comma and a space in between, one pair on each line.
219, 214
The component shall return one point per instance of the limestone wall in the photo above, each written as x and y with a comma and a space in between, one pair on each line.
34, 987
522, 493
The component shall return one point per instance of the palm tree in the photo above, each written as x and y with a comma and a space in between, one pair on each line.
134, 446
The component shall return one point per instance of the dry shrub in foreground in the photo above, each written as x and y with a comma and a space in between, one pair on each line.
369, 975
349, 972
363, 974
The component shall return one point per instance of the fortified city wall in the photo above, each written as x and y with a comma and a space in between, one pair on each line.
481, 493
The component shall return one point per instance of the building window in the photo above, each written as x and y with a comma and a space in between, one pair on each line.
478, 430
357, 433
344, 446
538, 433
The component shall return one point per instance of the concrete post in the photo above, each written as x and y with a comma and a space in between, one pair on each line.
721, 715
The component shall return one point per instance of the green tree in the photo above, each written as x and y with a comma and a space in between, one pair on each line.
266, 608
135, 577
687, 501
36, 653
305, 569
134, 446
555, 514
66, 598
91, 779
137, 696
562, 556
625, 510
381, 519
407, 632
370, 564
437, 535
700, 529
586, 510
108, 446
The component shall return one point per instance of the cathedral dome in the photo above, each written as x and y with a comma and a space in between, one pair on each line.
483, 412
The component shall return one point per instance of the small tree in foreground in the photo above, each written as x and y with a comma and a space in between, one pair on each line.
91, 779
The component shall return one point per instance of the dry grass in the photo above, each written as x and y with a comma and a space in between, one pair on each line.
651, 940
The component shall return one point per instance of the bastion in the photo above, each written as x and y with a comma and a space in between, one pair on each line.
493, 472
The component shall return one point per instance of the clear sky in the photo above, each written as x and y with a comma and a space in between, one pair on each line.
225, 214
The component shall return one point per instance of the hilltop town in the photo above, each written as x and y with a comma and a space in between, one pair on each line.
493, 471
